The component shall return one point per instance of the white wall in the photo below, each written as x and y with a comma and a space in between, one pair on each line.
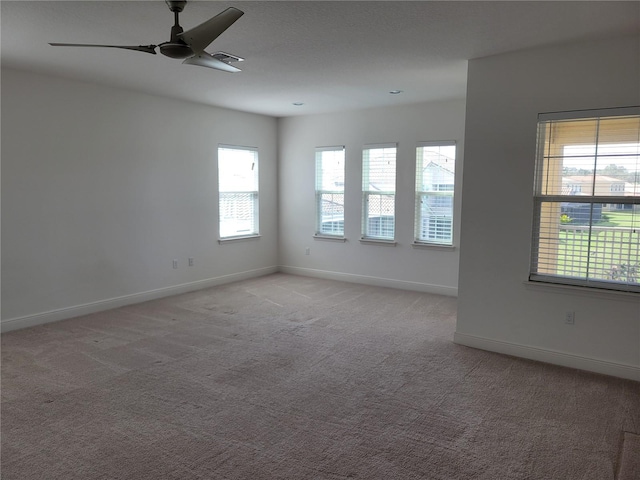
103, 188
432, 269
497, 310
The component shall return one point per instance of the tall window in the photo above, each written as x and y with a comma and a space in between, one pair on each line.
238, 190
379, 191
587, 199
330, 191
435, 182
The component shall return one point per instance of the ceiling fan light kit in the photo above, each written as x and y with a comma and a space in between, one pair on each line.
188, 45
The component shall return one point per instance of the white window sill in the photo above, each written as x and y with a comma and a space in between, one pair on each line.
425, 245
241, 238
378, 241
329, 238
564, 289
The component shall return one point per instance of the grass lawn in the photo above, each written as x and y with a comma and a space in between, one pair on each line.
620, 219
610, 254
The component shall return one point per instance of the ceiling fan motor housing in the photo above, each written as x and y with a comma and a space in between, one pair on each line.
176, 50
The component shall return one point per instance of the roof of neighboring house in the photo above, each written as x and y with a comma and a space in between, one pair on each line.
443, 162
569, 184
589, 178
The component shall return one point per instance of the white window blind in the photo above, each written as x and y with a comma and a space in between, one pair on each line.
435, 185
330, 167
238, 191
379, 191
587, 200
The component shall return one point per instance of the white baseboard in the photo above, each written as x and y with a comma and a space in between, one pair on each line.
549, 356
374, 281
101, 305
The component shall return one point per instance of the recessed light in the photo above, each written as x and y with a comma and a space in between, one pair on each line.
395, 92
298, 104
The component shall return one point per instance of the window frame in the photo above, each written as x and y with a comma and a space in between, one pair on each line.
591, 199
367, 194
321, 192
254, 194
437, 193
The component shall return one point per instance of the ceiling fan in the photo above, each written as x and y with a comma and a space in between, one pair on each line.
189, 45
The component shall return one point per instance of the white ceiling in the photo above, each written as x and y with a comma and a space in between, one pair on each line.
332, 56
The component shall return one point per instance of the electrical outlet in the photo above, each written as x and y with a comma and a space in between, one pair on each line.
191, 261
175, 264
307, 251
570, 318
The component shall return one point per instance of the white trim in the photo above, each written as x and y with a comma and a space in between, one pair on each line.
631, 372
426, 245
330, 148
238, 238
586, 287
374, 281
377, 241
331, 238
226, 146
107, 304
338, 155
436, 143
420, 221
577, 114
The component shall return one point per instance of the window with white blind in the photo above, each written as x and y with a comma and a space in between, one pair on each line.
435, 184
330, 191
238, 191
379, 191
587, 199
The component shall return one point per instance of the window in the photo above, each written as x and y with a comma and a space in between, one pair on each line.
588, 236
379, 191
238, 190
435, 183
330, 191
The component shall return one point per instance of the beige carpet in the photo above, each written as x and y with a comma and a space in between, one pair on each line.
630, 460
286, 377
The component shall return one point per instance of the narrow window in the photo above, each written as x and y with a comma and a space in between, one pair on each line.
435, 185
379, 191
586, 227
330, 191
238, 190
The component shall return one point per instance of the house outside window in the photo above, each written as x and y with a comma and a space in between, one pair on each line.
330, 168
435, 185
379, 191
238, 191
588, 236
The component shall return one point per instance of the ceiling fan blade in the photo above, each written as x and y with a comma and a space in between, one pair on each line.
139, 48
199, 38
205, 59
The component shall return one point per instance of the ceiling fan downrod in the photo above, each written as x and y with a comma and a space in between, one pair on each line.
176, 48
